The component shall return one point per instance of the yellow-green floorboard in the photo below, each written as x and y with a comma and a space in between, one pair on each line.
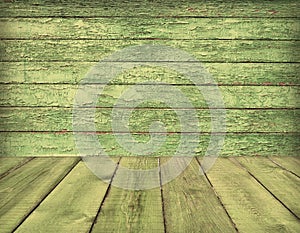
238, 194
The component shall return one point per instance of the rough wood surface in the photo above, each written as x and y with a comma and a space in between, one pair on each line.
195, 204
223, 73
203, 50
290, 163
284, 185
132, 211
71, 207
233, 96
142, 8
57, 119
251, 207
251, 48
145, 28
62, 143
8, 164
22, 190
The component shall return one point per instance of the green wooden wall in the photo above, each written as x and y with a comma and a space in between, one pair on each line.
251, 48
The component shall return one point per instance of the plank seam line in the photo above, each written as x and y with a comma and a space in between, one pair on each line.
217, 195
133, 61
33, 60
105, 196
16, 167
296, 133
162, 197
45, 196
145, 108
153, 84
145, 16
282, 167
145, 39
265, 187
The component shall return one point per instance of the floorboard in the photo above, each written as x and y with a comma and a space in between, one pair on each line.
71, 207
8, 164
22, 190
128, 210
282, 184
251, 206
191, 204
291, 163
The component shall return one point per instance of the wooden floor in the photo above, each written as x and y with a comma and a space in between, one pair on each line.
239, 194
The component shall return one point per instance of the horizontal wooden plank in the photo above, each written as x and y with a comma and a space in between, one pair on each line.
138, 28
203, 50
52, 144
132, 211
278, 8
284, 185
292, 164
233, 96
80, 194
223, 73
58, 119
251, 207
190, 204
22, 190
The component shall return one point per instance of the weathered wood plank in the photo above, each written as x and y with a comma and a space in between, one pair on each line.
22, 190
290, 163
284, 185
57, 119
203, 50
7, 164
252, 208
142, 8
62, 143
223, 73
233, 96
138, 28
128, 210
191, 205
71, 207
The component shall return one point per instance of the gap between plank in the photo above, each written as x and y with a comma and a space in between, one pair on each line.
105, 196
147, 133
145, 16
144, 108
47, 194
217, 195
159, 84
162, 197
258, 181
165, 61
146, 39
96, 61
15, 167
279, 165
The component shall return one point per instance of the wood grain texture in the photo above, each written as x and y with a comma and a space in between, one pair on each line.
22, 190
291, 163
284, 185
250, 206
132, 211
62, 143
223, 73
192, 206
71, 207
57, 119
203, 50
143, 8
8, 164
233, 96
144, 28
